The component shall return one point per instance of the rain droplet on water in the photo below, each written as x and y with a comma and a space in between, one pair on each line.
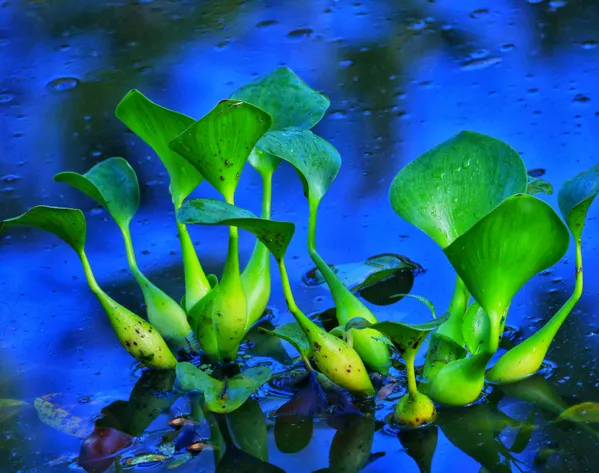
588, 44
480, 63
300, 33
581, 98
6, 98
265, 23
63, 84
506, 47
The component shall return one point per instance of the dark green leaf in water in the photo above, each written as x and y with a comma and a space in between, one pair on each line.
583, 412
275, 235
10, 408
219, 144
524, 434
67, 224
247, 427
222, 396
420, 444
157, 126
448, 189
288, 99
316, 160
538, 186
507, 247
237, 461
111, 183
293, 334
310, 401
352, 443
576, 196
293, 433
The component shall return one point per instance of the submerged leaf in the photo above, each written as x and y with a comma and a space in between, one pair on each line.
420, 444
274, 234
112, 183
288, 99
99, 449
583, 412
576, 196
237, 461
10, 408
247, 427
448, 189
293, 334
293, 433
222, 396
310, 401
62, 420
219, 144
157, 126
145, 459
538, 186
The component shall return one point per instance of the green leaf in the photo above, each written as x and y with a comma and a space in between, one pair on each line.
67, 224
275, 235
351, 445
263, 162
10, 408
448, 189
583, 412
293, 433
576, 196
420, 444
247, 427
222, 396
316, 160
442, 351
111, 183
475, 327
60, 419
538, 186
157, 126
288, 99
293, 334
219, 144
499, 254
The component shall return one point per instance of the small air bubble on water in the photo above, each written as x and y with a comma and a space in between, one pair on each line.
300, 34
506, 47
588, 44
63, 84
6, 98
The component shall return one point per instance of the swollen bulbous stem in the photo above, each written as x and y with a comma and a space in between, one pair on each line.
452, 328
526, 358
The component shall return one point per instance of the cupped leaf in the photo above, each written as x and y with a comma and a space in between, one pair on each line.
538, 186
293, 334
316, 160
288, 99
67, 224
475, 327
442, 351
219, 144
576, 196
507, 247
157, 126
263, 162
448, 189
222, 396
112, 183
275, 235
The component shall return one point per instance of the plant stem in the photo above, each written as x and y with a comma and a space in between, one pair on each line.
91, 280
299, 316
452, 328
232, 263
266, 193
408, 358
137, 274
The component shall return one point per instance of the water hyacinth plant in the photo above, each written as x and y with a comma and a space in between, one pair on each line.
470, 194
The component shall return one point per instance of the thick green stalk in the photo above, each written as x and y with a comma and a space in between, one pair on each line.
526, 358
333, 357
367, 343
452, 328
408, 358
136, 335
256, 274
163, 312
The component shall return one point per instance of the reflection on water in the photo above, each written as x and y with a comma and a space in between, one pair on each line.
402, 77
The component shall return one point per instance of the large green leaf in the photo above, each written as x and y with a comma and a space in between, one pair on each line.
157, 126
247, 427
293, 334
222, 396
316, 160
288, 99
275, 235
576, 196
219, 144
499, 254
67, 224
445, 191
112, 183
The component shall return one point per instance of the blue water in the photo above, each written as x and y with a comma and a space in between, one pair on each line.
402, 77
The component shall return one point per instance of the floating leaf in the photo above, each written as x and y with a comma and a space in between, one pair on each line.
237, 461
222, 396
157, 126
583, 412
62, 420
219, 144
288, 99
293, 334
293, 433
247, 427
420, 444
351, 445
111, 183
316, 160
275, 235
145, 459
538, 186
10, 408
576, 196
448, 189
100, 447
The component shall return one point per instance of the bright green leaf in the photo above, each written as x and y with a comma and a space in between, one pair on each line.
275, 235
288, 99
576, 196
111, 183
538, 186
293, 334
448, 189
157, 126
475, 327
316, 160
219, 144
583, 412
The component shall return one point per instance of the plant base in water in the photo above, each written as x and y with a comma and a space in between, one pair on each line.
414, 411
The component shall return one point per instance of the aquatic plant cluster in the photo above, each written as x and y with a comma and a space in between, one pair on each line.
471, 194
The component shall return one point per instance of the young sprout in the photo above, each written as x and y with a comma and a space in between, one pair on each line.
113, 184
157, 126
318, 162
136, 335
333, 357
291, 103
218, 146
414, 408
575, 197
